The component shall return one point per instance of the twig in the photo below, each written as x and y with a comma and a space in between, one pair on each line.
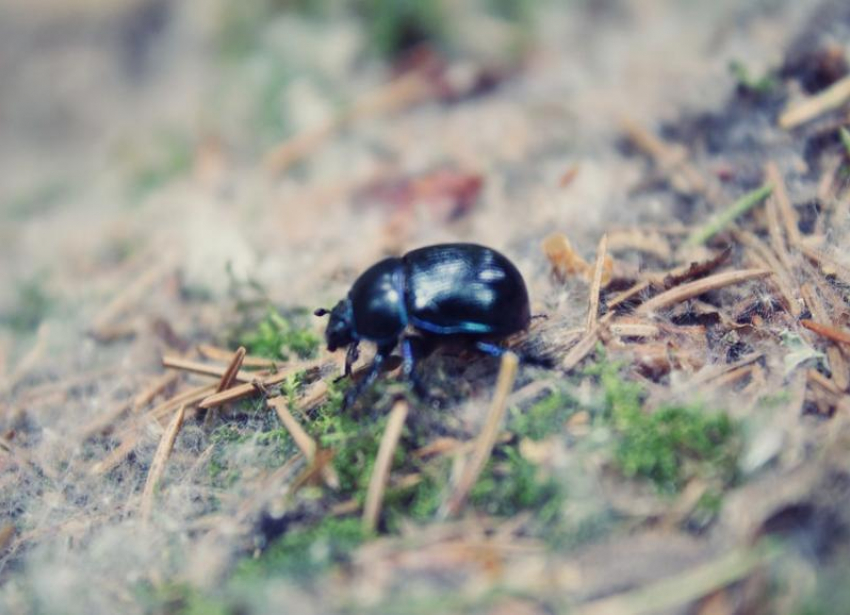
160, 458
222, 354
115, 457
302, 439
581, 349
487, 438
783, 279
680, 589
232, 370
699, 287
625, 327
829, 332
383, 463
250, 388
724, 218
596, 284
205, 369
827, 100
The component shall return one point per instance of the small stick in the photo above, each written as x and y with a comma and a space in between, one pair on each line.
232, 370
783, 279
204, 369
829, 332
596, 285
631, 328
724, 218
581, 349
115, 457
157, 469
302, 439
250, 388
827, 384
222, 354
831, 98
487, 438
383, 464
699, 287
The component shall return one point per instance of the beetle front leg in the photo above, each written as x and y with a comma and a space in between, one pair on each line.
367, 380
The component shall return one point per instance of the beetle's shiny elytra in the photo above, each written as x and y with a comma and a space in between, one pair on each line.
441, 291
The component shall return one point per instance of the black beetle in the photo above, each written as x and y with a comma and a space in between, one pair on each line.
453, 290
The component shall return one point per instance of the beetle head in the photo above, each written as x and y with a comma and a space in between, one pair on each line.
340, 330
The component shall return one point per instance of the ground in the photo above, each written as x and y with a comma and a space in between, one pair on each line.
181, 181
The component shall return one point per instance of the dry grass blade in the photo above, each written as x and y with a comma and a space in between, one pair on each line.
160, 458
681, 589
488, 436
831, 98
582, 348
232, 370
633, 328
783, 280
383, 463
596, 284
699, 287
302, 439
115, 457
187, 398
255, 386
203, 369
222, 354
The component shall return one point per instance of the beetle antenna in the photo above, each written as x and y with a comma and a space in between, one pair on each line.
321, 312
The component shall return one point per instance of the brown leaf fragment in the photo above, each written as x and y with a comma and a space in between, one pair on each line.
697, 270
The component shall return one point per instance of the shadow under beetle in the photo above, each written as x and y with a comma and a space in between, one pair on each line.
424, 298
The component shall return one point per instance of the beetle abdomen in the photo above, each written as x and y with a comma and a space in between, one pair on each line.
463, 288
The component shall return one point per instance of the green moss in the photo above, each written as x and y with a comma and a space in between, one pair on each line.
511, 484
180, 599
761, 86
276, 337
395, 25
543, 418
671, 445
305, 552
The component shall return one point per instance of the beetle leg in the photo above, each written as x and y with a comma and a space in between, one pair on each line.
409, 367
367, 380
491, 349
351, 357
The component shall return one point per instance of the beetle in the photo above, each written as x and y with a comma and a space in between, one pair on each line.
426, 297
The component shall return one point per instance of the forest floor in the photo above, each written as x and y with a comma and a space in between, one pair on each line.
184, 184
